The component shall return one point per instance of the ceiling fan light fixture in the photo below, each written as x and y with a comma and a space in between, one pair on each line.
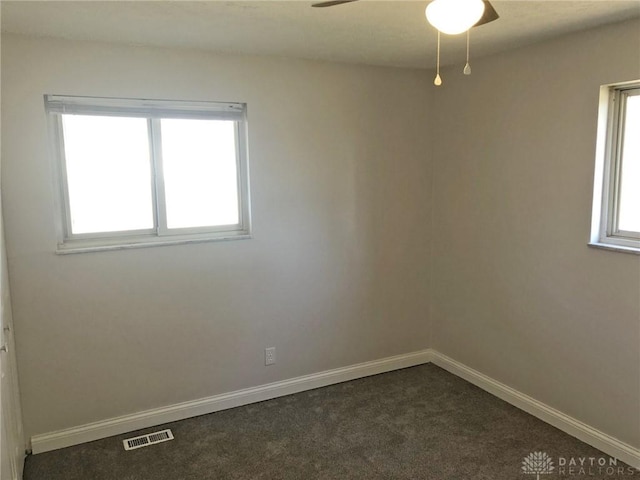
454, 16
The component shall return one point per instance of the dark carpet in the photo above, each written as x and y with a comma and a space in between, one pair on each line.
416, 423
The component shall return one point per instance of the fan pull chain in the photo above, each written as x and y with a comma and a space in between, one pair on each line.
467, 67
438, 81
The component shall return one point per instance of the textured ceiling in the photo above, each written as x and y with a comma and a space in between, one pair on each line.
391, 33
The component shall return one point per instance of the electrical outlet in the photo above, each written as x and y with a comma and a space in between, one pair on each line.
270, 356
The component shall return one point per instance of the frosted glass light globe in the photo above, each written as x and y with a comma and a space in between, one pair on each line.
454, 16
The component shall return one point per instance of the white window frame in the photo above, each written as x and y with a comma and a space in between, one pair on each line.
606, 192
153, 111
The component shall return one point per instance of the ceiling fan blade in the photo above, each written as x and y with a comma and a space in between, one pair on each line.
489, 14
331, 3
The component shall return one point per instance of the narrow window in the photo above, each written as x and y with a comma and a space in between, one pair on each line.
616, 208
148, 172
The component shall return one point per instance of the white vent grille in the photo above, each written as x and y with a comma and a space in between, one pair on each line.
146, 440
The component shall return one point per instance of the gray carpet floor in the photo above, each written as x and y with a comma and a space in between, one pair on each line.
416, 423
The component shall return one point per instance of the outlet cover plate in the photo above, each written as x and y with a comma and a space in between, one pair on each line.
270, 356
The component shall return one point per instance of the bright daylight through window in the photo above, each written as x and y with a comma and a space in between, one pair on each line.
616, 208
139, 172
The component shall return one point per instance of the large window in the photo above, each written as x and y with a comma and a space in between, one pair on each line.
616, 209
144, 172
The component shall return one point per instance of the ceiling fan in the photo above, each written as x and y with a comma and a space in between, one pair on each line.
448, 16
489, 14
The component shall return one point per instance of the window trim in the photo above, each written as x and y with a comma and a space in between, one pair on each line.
604, 224
153, 111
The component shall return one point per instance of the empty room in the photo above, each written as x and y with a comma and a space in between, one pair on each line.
291, 240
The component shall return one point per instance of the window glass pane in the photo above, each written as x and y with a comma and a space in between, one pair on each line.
108, 173
199, 162
629, 206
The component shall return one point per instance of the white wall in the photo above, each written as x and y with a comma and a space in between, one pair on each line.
334, 275
518, 294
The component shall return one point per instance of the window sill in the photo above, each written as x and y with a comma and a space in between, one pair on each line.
92, 246
615, 248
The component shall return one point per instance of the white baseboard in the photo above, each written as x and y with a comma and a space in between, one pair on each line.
180, 411
589, 435
149, 418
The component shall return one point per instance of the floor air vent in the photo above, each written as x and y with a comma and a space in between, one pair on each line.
146, 440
